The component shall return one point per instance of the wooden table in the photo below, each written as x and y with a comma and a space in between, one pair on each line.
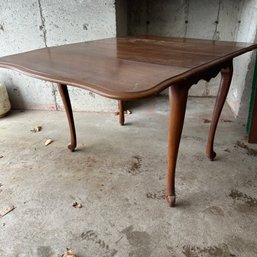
137, 67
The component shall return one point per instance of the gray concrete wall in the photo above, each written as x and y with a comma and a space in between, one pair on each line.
122, 17
27, 25
230, 20
241, 85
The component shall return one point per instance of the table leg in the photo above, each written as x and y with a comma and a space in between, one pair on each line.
63, 90
121, 112
178, 99
226, 77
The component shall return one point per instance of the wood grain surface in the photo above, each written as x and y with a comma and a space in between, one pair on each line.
126, 68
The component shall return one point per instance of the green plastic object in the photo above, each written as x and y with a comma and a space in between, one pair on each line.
253, 93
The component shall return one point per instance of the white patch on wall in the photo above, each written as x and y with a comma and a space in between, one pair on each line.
28, 93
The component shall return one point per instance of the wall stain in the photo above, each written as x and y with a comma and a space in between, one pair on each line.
91, 235
42, 27
159, 195
237, 195
210, 251
186, 13
85, 26
136, 165
91, 94
216, 34
16, 91
250, 151
1, 27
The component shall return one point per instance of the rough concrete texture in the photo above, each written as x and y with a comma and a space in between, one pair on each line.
122, 17
28, 25
118, 175
20, 22
239, 95
219, 20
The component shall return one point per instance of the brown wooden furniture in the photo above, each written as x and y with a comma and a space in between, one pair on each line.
252, 122
253, 128
133, 68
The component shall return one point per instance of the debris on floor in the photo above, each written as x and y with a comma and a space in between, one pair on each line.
206, 121
250, 151
68, 253
225, 120
125, 112
49, 141
6, 211
77, 205
36, 129
221, 120
249, 200
1, 156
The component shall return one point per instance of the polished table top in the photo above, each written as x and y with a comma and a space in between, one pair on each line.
125, 68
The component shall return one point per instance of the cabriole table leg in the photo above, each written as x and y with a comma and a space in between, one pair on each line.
226, 77
63, 90
121, 112
178, 99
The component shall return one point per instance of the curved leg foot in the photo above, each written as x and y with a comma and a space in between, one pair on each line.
226, 77
121, 112
211, 155
171, 199
71, 147
178, 99
67, 106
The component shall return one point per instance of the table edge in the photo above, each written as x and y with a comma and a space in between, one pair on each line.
155, 89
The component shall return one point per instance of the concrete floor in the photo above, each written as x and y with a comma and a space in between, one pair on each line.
118, 175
